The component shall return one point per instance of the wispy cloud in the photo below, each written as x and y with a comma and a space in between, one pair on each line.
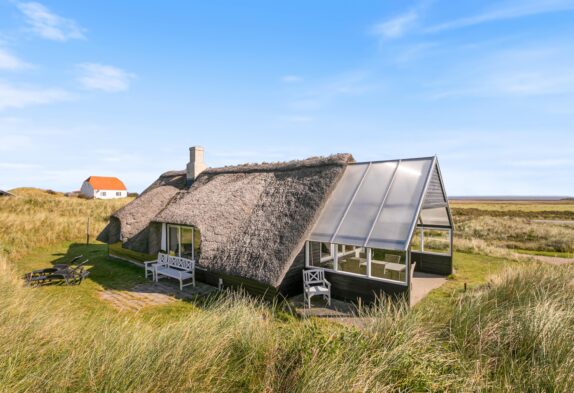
49, 25
534, 71
104, 77
18, 97
291, 79
9, 61
395, 27
509, 10
353, 83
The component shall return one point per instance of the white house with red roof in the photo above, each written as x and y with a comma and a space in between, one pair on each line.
101, 187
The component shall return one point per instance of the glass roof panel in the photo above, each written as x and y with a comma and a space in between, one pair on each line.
337, 204
399, 213
354, 209
363, 211
435, 216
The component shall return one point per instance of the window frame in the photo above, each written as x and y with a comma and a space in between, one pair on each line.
179, 227
430, 228
367, 276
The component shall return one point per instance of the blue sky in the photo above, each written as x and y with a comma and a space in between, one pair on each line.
124, 88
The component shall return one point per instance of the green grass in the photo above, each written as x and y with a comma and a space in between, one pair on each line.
555, 254
117, 250
513, 332
470, 269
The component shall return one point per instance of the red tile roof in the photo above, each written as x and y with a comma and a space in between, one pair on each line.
106, 183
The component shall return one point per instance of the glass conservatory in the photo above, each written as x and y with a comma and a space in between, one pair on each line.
383, 220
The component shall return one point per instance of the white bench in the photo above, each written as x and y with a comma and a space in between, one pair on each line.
150, 265
181, 269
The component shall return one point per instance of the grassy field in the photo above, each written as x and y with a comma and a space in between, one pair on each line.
512, 330
510, 229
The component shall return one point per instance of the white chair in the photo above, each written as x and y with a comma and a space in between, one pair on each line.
150, 265
314, 283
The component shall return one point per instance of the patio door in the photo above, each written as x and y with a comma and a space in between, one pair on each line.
184, 241
173, 237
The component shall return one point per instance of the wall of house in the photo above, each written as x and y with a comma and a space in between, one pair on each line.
432, 263
292, 283
109, 194
87, 189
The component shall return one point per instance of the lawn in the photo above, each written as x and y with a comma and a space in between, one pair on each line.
507, 333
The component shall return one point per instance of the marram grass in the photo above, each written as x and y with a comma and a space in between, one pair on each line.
513, 334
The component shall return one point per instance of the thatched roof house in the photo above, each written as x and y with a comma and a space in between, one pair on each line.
254, 225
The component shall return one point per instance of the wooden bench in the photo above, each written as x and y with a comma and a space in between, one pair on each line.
182, 269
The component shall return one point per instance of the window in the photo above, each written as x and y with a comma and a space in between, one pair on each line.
368, 262
352, 259
103, 193
118, 193
416, 242
390, 265
436, 241
183, 241
322, 255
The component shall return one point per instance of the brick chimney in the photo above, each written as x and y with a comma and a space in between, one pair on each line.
196, 164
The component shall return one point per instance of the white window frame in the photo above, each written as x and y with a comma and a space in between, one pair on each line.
422, 251
168, 226
367, 276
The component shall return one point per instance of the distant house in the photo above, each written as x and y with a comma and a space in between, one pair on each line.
5, 193
368, 225
101, 187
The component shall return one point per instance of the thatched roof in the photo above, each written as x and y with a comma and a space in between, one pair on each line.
5, 193
136, 215
253, 218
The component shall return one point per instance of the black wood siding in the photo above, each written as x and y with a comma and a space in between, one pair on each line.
292, 283
431, 263
250, 286
351, 288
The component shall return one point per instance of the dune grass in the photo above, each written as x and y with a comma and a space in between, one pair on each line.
513, 332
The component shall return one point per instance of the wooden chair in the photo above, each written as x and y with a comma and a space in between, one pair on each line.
314, 283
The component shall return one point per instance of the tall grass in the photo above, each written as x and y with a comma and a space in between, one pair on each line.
234, 344
513, 334
30, 221
519, 330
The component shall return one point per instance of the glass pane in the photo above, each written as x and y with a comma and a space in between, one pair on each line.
364, 208
388, 264
416, 244
352, 259
435, 216
437, 241
173, 246
197, 243
399, 212
187, 242
321, 255
337, 204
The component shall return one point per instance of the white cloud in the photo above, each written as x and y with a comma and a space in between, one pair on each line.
19, 97
395, 27
103, 77
8, 61
291, 79
49, 25
511, 10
